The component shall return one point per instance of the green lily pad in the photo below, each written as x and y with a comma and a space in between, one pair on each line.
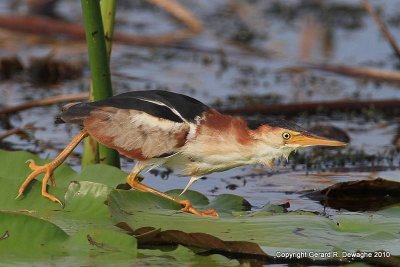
25, 238
84, 200
103, 174
84, 232
84, 204
14, 167
272, 232
103, 243
182, 254
21, 233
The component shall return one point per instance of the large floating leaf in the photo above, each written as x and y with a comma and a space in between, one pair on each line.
25, 238
15, 168
34, 230
84, 200
84, 204
181, 255
84, 232
100, 173
272, 232
105, 246
21, 233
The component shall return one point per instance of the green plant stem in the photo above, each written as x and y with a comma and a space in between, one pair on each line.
99, 54
108, 14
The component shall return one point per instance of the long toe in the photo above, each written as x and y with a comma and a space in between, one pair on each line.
211, 213
48, 170
49, 176
52, 180
27, 181
32, 165
52, 198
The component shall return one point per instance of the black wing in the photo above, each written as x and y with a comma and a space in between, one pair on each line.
161, 104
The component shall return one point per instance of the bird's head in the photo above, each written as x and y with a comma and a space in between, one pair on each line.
283, 137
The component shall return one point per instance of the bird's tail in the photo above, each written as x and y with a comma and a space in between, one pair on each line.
74, 113
59, 119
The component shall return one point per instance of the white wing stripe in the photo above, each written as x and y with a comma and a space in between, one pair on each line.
163, 104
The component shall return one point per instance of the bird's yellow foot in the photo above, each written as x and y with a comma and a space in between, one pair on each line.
187, 206
211, 213
48, 170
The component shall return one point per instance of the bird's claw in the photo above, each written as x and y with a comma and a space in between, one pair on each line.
53, 198
211, 213
19, 195
48, 170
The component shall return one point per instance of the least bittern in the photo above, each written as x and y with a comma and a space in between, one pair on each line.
162, 128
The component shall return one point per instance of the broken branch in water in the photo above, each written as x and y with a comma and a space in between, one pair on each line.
180, 13
368, 73
44, 102
390, 105
48, 26
382, 27
16, 130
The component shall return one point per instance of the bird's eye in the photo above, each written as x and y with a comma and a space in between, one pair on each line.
286, 135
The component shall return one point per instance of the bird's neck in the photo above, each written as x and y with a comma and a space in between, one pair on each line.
263, 153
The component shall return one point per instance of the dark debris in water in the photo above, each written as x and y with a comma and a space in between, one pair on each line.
149, 236
51, 71
396, 138
363, 195
5, 235
43, 8
345, 160
163, 173
339, 15
40, 70
232, 186
228, 25
9, 66
247, 100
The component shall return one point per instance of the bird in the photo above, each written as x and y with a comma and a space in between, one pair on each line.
162, 128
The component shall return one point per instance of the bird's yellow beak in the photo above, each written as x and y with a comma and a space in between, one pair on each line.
313, 140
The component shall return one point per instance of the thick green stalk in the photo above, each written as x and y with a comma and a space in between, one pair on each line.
101, 86
108, 8
108, 14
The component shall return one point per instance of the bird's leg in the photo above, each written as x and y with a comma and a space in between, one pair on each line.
48, 169
187, 206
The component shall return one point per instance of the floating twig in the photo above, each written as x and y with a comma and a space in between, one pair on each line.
16, 130
44, 102
368, 73
49, 26
180, 13
382, 27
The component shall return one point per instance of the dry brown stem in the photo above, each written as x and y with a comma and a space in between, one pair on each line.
382, 27
15, 131
44, 102
48, 26
180, 13
368, 73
